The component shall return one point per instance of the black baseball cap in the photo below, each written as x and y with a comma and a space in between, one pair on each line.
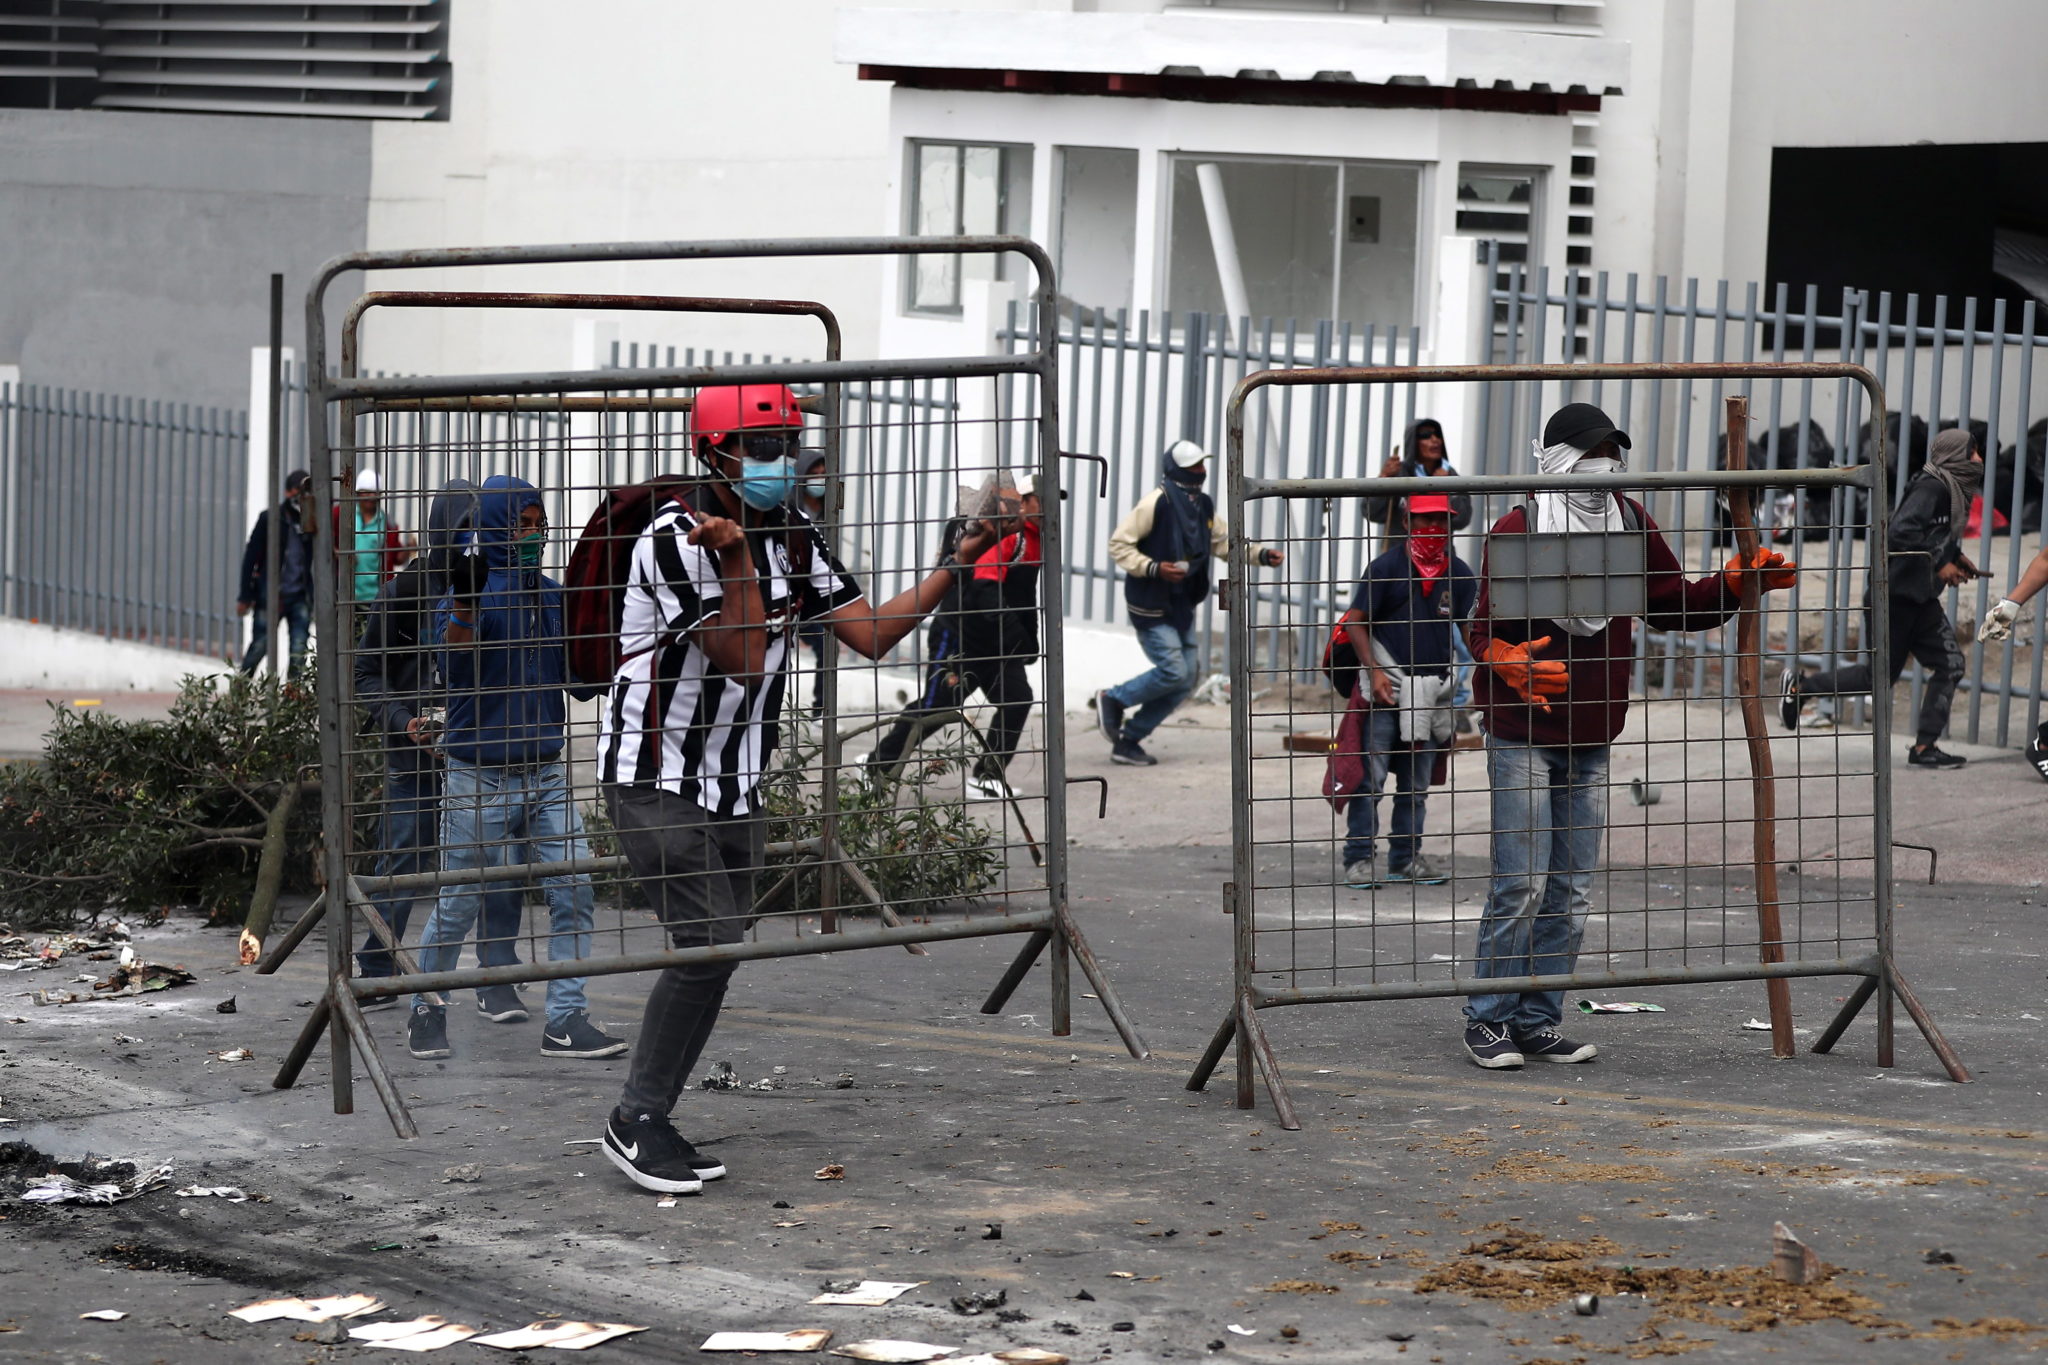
296, 480
1582, 426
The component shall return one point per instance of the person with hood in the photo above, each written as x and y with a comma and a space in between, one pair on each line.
720, 578
398, 685
1165, 545
506, 796
1924, 542
987, 645
294, 574
1555, 694
1400, 627
1422, 454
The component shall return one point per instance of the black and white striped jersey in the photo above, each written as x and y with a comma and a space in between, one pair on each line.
673, 720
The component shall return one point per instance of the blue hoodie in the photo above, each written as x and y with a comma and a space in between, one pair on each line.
505, 702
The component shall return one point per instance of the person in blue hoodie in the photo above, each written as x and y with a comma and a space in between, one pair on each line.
505, 794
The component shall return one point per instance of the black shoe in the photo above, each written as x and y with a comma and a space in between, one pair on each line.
2037, 754
1492, 1046
1109, 717
655, 1156
501, 1005
1788, 700
426, 1033
381, 1002
576, 1036
1128, 753
1548, 1045
1932, 757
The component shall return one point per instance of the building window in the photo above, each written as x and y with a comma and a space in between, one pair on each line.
963, 189
1314, 240
1503, 204
1098, 227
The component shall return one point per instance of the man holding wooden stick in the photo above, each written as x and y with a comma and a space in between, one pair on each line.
1555, 695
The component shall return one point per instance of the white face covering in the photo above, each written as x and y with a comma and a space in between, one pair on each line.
1594, 510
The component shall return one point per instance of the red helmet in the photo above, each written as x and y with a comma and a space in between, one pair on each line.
718, 412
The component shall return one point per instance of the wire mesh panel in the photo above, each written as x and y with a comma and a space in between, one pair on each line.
684, 667
1456, 784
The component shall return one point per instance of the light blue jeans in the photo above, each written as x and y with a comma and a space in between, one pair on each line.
1160, 689
1549, 815
1411, 765
492, 816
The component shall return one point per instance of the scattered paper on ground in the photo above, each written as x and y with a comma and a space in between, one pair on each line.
804, 1339
57, 1188
309, 1310
227, 1192
560, 1336
883, 1349
235, 1054
1022, 1355
833, 1172
102, 1315
1618, 1007
869, 1293
432, 1340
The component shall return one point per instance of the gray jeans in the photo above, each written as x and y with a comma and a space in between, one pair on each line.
698, 874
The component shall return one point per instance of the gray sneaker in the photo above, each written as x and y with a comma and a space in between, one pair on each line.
1109, 717
1359, 876
1420, 871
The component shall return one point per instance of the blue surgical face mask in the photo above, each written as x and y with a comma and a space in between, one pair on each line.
763, 484
814, 488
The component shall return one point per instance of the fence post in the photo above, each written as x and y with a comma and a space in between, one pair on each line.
263, 488
10, 490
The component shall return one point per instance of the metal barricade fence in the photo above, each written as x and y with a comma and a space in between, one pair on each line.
725, 799
1480, 871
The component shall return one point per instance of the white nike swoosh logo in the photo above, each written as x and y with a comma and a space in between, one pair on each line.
562, 1041
630, 1153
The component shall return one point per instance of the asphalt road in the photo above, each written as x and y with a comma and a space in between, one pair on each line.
1121, 1197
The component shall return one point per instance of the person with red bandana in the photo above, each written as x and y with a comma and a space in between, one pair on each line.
1402, 626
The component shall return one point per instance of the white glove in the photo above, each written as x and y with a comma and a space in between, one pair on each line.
1999, 620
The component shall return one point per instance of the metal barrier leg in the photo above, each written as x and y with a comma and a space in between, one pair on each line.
293, 936
1072, 938
350, 1015
1269, 1067
1062, 982
302, 1047
1853, 1006
1198, 1080
1020, 966
1950, 1062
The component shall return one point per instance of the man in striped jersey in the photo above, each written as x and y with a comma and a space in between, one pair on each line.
720, 580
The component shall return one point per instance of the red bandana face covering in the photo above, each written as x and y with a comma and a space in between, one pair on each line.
1431, 551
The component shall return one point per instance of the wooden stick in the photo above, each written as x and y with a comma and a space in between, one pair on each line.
1763, 779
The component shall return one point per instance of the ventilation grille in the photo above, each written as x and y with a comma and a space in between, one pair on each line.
252, 57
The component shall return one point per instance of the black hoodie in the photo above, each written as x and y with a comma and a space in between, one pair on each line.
1377, 510
394, 660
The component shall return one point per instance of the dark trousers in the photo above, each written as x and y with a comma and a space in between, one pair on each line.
298, 615
947, 686
408, 840
1920, 630
698, 874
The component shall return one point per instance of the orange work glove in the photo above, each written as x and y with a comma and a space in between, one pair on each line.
1535, 680
1774, 570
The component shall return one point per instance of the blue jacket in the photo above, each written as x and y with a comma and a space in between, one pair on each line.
505, 702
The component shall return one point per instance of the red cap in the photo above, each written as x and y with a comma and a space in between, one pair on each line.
1428, 502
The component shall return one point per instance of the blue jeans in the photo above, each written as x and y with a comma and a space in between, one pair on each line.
298, 616
1549, 815
1163, 687
493, 816
1461, 696
1410, 765
407, 836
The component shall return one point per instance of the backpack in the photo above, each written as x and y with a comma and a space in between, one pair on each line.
602, 563
595, 582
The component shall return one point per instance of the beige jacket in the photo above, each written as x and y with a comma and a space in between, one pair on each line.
1137, 524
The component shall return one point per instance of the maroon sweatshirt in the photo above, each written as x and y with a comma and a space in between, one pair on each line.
1595, 702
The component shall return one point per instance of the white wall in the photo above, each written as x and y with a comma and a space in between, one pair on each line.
46, 658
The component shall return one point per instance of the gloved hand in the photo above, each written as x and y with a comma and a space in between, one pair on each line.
1998, 622
1773, 569
467, 572
1534, 680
